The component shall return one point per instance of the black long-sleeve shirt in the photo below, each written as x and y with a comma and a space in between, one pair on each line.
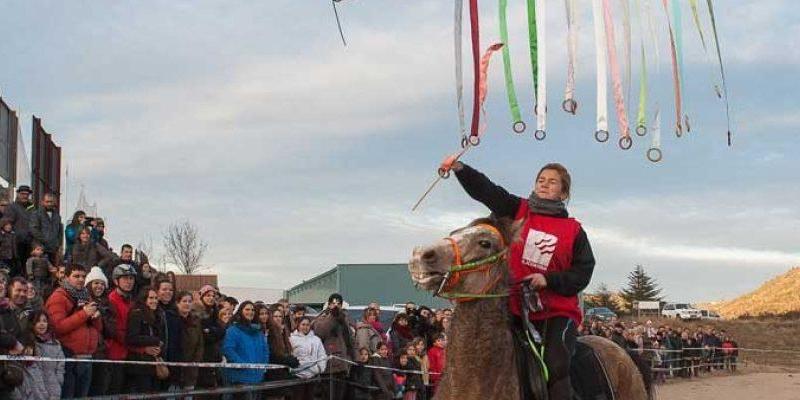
503, 204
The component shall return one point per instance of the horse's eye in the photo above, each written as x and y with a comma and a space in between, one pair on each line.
485, 244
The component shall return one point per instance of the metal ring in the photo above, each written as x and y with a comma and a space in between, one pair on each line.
474, 140
654, 154
444, 173
625, 142
686, 122
601, 135
678, 131
518, 127
641, 130
570, 106
539, 134
464, 141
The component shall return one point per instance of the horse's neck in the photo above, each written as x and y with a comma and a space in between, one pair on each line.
480, 352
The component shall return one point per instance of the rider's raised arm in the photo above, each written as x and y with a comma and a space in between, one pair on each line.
575, 278
480, 188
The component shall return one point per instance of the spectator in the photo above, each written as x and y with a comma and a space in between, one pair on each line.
43, 380
361, 377
3, 207
19, 214
71, 232
35, 301
191, 341
78, 326
8, 246
9, 324
126, 257
436, 360
310, 353
12, 373
420, 354
90, 254
97, 285
280, 349
244, 343
401, 333
229, 302
206, 312
618, 337
415, 388
121, 303
366, 334
730, 351
298, 312
99, 232
383, 376
46, 227
171, 329
333, 329
18, 295
39, 270
143, 341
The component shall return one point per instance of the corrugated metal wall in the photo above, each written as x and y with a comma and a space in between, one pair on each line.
315, 290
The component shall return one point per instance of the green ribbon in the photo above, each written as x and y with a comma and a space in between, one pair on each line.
513, 104
532, 43
721, 68
678, 28
641, 118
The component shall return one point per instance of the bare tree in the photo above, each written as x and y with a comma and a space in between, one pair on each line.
146, 251
184, 247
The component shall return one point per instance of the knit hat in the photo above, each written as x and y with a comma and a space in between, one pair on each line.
96, 274
207, 288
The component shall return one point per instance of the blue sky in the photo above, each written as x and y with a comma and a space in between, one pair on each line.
292, 153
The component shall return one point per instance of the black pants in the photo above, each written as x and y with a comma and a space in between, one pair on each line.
558, 336
337, 388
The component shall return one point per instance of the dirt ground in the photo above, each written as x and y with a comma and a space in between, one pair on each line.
745, 386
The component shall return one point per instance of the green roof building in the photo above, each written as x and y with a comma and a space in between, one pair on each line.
361, 284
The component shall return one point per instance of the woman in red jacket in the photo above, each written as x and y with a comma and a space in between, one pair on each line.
552, 255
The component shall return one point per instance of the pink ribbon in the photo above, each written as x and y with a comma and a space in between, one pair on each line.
619, 98
483, 84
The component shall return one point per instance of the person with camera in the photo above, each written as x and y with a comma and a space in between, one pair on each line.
332, 327
78, 325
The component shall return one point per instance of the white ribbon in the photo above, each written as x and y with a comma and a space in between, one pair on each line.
541, 61
601, 133
569, 104
654, 153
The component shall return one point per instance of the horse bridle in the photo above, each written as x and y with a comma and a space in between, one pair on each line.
486, 264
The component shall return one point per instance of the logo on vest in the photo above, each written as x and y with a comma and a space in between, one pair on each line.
539, 249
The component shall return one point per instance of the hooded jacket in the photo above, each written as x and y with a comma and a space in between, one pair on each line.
43, 380
334, 331
245, 344
309, 352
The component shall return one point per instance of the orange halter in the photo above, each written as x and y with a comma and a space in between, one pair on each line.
485, 265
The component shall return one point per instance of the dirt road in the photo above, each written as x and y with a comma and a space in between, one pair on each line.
747, 386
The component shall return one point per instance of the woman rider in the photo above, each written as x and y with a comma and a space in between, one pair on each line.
552, 254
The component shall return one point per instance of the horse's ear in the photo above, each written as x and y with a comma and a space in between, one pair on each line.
508, 227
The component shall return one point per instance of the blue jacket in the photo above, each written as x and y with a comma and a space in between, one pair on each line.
245, 344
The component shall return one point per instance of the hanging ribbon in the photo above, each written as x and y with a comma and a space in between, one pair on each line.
641, 117
601, 132
625, 140
626, 31
699, 26
721, 68
476, 71
678, 26
675, 77
654, 153
457, 29
570, 105
541, 61
513, 105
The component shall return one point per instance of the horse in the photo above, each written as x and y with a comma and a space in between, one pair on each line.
482, 362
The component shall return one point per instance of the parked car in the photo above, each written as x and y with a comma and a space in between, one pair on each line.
600, 314
708, 314
680, 311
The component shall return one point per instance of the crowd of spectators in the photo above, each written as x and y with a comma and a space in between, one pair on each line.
672, 352
65, 293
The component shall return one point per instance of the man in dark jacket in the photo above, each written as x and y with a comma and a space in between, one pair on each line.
46, 227
332, 327
19, 214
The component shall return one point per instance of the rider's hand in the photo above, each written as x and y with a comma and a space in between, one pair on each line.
451, 163
538, 281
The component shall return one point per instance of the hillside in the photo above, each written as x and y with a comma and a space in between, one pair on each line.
780, 295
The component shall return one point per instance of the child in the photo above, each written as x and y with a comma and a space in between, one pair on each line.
436, 357
8, 247
37, 270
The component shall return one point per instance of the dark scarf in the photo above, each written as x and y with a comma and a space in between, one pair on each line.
78, 295
539, 205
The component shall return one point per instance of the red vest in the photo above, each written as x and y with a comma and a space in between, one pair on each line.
545, 245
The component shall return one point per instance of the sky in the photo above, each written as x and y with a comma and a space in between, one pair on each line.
292, 153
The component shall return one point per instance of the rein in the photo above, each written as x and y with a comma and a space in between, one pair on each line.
454, 275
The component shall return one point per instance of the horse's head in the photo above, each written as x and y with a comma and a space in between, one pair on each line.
470, 263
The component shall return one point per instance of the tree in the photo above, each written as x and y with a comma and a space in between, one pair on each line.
641, 287
603, 298
184, 247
